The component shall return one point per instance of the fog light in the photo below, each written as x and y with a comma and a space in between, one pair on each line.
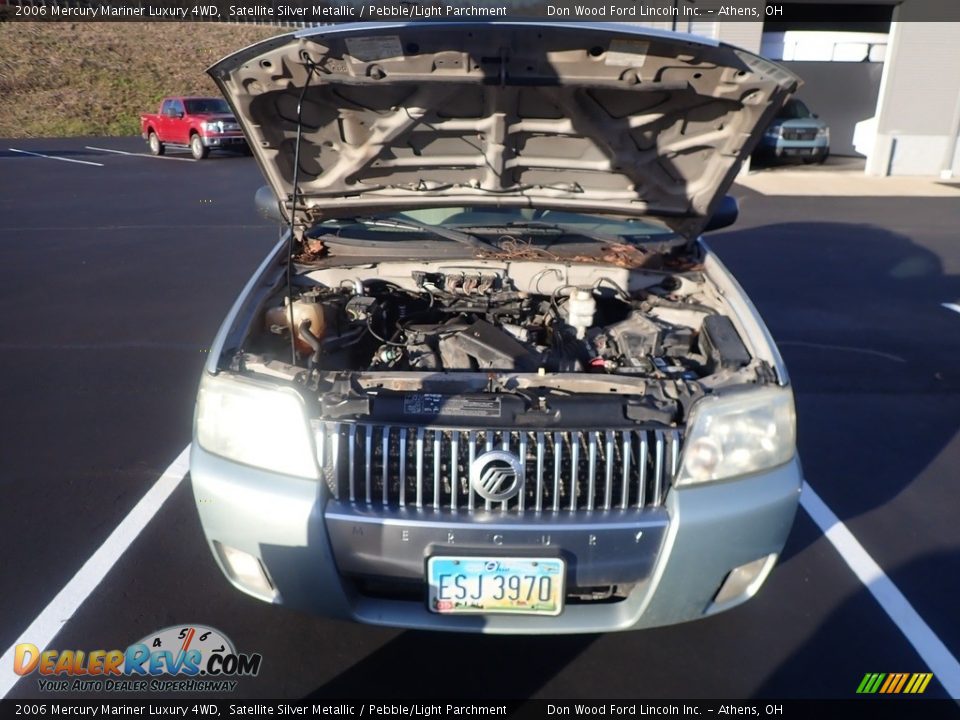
742, 583
247, 571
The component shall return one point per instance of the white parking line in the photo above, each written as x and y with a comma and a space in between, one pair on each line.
135, 154
59, 611
930, 648
951, 306
55, 157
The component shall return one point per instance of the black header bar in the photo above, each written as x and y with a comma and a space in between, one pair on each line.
679, 13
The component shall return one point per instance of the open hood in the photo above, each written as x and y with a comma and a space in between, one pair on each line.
587, 118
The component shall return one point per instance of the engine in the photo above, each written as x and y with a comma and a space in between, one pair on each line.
479, 322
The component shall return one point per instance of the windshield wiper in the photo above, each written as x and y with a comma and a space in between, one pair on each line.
464, 238
549, 228
659, 239
565, 229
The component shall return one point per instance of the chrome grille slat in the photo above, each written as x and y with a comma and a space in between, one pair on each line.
420, 433
437, 436
470, 458
674, 452
352, 452
557, 461
566, 470
523, 477
385, 463
625, 477
505, 445
658, 468
592, 471
538, 498
575, 470
403, 467
488, 436
368, 461
334, 440
335, 459
321, 445
608, 473
454, 468
643, 454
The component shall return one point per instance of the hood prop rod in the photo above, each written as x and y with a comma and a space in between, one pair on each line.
293, 211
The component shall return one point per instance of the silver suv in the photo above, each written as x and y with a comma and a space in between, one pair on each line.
493, 380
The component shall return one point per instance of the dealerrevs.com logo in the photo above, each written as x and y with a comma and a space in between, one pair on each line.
181, 658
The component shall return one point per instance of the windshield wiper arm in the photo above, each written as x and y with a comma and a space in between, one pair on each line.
464, 238
536, 225
552, 228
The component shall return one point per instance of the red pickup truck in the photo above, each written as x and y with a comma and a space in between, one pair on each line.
198, 123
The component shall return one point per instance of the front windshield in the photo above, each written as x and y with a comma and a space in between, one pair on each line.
795, 110
529, 224
206, 105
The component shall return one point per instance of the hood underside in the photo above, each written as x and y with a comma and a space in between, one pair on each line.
577, 117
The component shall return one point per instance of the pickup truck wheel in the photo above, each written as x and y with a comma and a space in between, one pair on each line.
197, 148
156, 147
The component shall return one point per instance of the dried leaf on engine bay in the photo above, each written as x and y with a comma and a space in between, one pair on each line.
513, 249
313, 249
621, 255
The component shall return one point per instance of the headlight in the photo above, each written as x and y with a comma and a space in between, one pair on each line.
774, 132
823, 132
738, 434
213, 126
255, 424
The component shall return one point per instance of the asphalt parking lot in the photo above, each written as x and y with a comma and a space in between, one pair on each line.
116, 270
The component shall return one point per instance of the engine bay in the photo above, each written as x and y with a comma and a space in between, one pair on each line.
559, 330
455, 322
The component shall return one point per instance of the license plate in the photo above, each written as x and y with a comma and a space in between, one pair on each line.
520, 586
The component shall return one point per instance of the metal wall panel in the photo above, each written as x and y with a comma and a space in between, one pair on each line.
918, 116
924, 79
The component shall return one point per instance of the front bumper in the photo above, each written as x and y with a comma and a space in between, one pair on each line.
782, 147
225, 140
675, 566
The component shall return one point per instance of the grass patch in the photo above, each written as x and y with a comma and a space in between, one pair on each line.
91, 78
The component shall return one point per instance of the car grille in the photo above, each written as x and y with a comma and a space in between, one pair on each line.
563, 470
799, 134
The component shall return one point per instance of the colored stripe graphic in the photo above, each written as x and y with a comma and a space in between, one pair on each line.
894, 683
870, 683
903, 680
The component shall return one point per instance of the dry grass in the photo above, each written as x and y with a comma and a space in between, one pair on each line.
92, 78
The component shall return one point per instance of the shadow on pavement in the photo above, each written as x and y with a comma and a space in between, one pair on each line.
802, 673
493, 667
